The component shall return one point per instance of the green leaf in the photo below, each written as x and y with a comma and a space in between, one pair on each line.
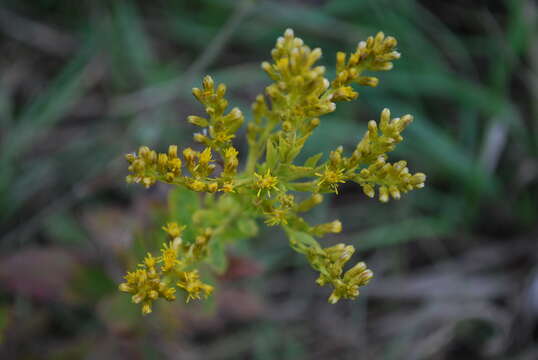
272, 155
244, 228
312, 161
248, 227
129, 48
301, 241
217, 255
403, 231
51, 105
293, 172
182, 204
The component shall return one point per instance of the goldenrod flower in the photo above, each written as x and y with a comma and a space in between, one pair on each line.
265, 183
227, 187
196, 289
333, 227
331, 178
150, 262
205, 157
174, 229
392, 179
197, 185
276, 217
223, 137
230, 161
330, 262
146, 285
169, 256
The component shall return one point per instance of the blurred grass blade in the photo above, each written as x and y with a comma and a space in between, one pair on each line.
403, 231
45, 111
49, 107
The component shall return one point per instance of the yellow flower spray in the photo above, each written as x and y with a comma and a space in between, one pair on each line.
284, 117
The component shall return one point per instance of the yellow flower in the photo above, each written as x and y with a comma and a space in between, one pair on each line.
276, 217
149, 166
223, 137
146, 285
205, 157
197, 185
266, 182
146, 308
150, 262
196, 289
169, 257
330, 262
231, 153
227, 187
333, 227
230, 161
331, 178
173, 229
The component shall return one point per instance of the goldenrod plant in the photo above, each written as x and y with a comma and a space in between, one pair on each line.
270, 185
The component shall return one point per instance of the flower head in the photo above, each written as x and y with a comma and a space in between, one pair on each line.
331, 178
265, 183
276, 217
146, 285
174, 229
227, 187
169, 257
195, 288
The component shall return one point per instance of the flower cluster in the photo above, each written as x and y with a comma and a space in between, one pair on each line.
329, 262
147, 166
155, 276
375, 54
220, 127
270, 184
147, 284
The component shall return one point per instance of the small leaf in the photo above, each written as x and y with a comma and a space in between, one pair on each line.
294, 151
297, 172
183, 203
272, 154
301, 241
313, 160
248, 227
283, 148
244, 228
217, 255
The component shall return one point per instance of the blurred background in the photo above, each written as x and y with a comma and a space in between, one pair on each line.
83, 82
